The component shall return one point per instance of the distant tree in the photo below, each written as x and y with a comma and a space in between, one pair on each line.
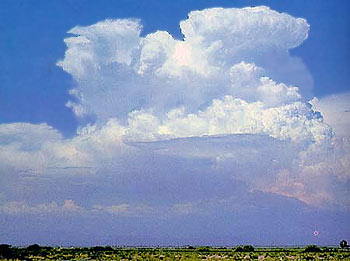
5, 251
204, 249
4, 247
238, 249
312, 248
101, 248
326, 249
97, 248
34, 248
248, 248
343, 244
108, 248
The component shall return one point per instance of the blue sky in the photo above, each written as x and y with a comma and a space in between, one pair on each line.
121, 125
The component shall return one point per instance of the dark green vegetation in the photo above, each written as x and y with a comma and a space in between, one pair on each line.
36, 252
343, 244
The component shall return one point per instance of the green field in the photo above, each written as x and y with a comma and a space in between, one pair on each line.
35, 252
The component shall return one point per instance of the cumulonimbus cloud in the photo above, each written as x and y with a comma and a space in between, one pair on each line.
228, 97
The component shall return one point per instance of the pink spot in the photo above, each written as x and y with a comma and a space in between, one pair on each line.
315, 233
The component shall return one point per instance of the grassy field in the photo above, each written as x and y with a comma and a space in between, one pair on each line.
35, 252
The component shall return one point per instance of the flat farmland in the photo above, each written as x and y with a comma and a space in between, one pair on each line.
36, 252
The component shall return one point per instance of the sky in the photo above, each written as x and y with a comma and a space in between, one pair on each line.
174, 122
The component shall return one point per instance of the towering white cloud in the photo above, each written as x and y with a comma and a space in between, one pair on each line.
244, 29
336, 112
225, 106
111, 62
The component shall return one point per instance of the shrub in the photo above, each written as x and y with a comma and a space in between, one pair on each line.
238, 249
34, 248
204, 249
343, 244
108, 248
312, 248
101, 248
248, 248
4, 247
5, 251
